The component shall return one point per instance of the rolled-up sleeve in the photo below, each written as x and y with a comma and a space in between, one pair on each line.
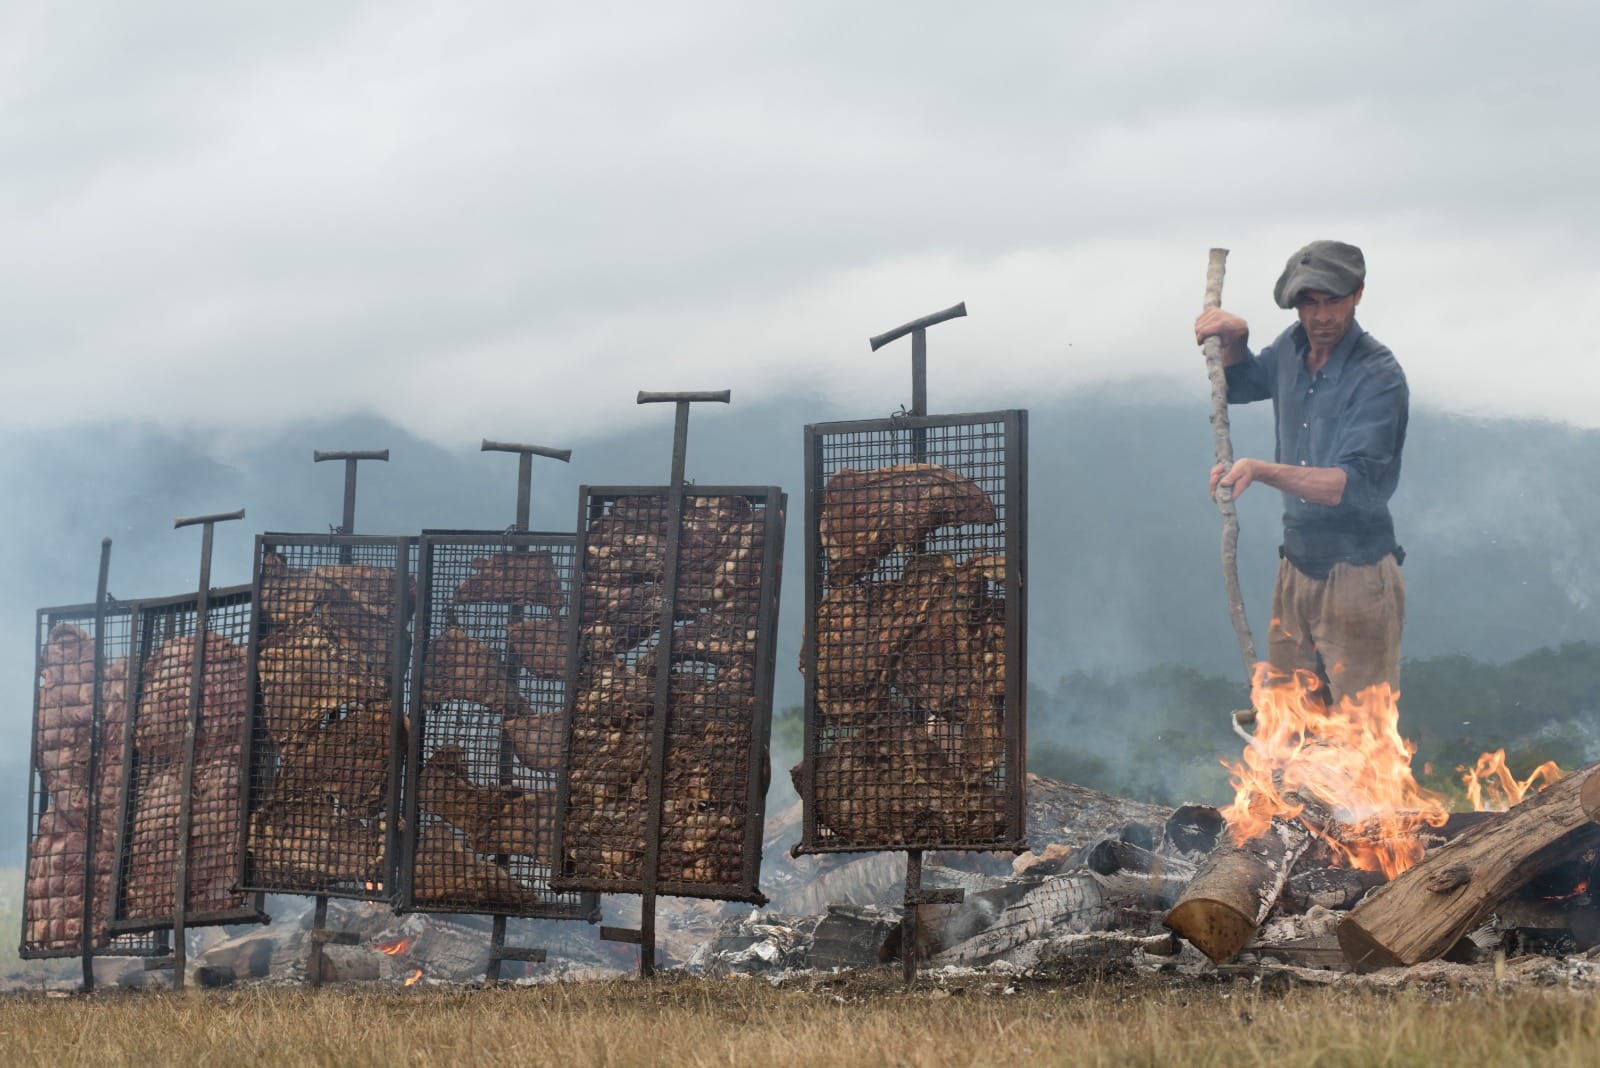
1370, 439
1251, 378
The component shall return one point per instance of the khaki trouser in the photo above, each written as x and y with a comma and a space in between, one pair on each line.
1345, 628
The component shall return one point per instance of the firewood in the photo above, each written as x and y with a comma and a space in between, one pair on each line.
1235, 888
1110, 856
1061, 904
1325, 887
1425, 910
1194, 828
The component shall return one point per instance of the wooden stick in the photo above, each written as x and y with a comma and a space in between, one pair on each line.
1427, 909
1216, 266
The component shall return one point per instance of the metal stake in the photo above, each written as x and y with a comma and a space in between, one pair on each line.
320, 935
918, 329
645, 936
191, 729
97, 724
497, 936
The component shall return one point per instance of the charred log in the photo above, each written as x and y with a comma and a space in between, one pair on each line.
1425, 910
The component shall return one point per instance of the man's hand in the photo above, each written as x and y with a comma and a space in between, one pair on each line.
1232, 331
1236, 478
1314, 485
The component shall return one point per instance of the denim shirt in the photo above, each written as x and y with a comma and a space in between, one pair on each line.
1352, 415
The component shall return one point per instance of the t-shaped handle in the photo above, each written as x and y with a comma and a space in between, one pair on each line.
351, 457
525, 471
680, 428
918, 329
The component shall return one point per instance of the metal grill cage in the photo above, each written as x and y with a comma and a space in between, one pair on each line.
487, 720
326, 745
166, 645
718, 720
65, 814
914, 659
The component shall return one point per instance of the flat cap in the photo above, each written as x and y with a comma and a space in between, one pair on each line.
1331, 267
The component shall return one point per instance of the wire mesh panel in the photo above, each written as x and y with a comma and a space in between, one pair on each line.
718, 719
166, 644
65, 814
326, 744
914, 658
487, 715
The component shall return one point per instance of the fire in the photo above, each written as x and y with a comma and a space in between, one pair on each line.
414, 977
1346, 762
1492, 788
398, 947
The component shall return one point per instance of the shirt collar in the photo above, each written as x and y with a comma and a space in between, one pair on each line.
1340, 356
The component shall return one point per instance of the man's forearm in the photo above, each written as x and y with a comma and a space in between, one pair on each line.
1318, 485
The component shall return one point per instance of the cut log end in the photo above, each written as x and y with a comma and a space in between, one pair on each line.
1590, 799
1215, 928
1363, 952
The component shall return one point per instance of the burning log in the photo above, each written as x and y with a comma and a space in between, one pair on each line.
1425, 910
1235, 888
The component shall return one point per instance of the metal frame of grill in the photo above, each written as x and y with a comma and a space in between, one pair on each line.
613, 678
645, 789
488, 703
69, 753
325, 746
902, 698
160, 761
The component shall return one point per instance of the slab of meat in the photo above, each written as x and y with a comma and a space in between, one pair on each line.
866, 515
459, 667
306, 676
891, 782
163, 712
447, 873
522, 578
539, 646
536, 738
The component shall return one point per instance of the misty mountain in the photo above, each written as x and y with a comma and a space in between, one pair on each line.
1124, 572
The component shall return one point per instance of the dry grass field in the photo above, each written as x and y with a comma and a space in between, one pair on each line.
864, 1019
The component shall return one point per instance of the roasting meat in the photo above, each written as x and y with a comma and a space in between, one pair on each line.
521, 578
866, 515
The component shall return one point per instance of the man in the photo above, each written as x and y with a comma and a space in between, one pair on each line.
1341, 404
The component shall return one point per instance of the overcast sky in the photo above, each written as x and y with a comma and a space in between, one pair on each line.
504, 219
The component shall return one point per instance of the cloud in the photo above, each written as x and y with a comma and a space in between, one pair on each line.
490, 214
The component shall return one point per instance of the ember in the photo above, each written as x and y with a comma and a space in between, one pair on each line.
414, 977
1348, 760
398, 947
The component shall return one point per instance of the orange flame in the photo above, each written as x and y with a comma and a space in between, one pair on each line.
414, 977
397, 947
1349, 759
1492, 788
